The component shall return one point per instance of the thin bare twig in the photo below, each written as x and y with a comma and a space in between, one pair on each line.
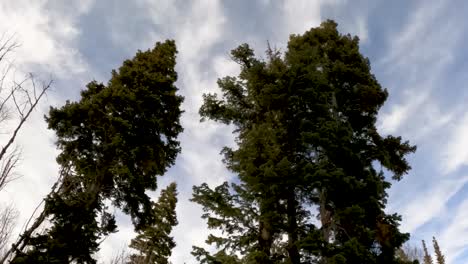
8, 216
8, 166
8, 45
121, 257
25, 102
23, 119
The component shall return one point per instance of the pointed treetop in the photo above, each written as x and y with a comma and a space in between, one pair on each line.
427, 257
439, 257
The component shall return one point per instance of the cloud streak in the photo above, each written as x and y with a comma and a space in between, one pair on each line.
417, 63
47, 33
415, 58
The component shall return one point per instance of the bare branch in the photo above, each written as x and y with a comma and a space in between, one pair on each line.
7, 167
5, 74
24, 116
8, 45
8, 217
24, 97
23, 239
18, 108
121, 257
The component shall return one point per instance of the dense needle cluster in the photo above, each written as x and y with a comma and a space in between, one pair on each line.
114, 142
308, 189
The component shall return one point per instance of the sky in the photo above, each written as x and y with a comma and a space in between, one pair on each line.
416, 49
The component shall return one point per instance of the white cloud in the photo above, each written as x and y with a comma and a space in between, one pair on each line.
196, 29
418, 117
415, 55
201, 31
333, 2
46, 37
452, 239
389, 122
299, 16
455, 153
417, 69
413, 65
357, 27
415, 214
224, 66
421, 33
362, 31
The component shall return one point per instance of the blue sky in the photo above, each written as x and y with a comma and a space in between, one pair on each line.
416, 48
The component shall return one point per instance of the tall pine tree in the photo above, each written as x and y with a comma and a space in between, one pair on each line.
438, 253
427, 257
307, 146
114, 141
154, 243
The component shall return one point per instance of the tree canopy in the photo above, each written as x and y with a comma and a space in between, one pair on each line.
154, 243
308, 189
114, 142
312, 170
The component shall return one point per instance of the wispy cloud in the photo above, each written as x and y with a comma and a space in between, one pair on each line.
300, 15
455, 153
452, 238
415, 214
414, 59
47, 34
416, 68
415, 62
197, 28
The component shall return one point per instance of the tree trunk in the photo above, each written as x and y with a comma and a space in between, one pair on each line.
293, 251
325, 219
265, 237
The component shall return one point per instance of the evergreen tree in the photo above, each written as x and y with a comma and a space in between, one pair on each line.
154, 243
306, 135
114, 141
427, 257
439, 256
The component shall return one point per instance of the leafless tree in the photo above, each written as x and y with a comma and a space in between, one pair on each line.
122, 257
409, 252
18, 100
8, 217
36, 222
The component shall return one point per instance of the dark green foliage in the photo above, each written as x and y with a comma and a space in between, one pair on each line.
305, 125
438, 253
427, 257
154, 243
219, 258
114, 142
